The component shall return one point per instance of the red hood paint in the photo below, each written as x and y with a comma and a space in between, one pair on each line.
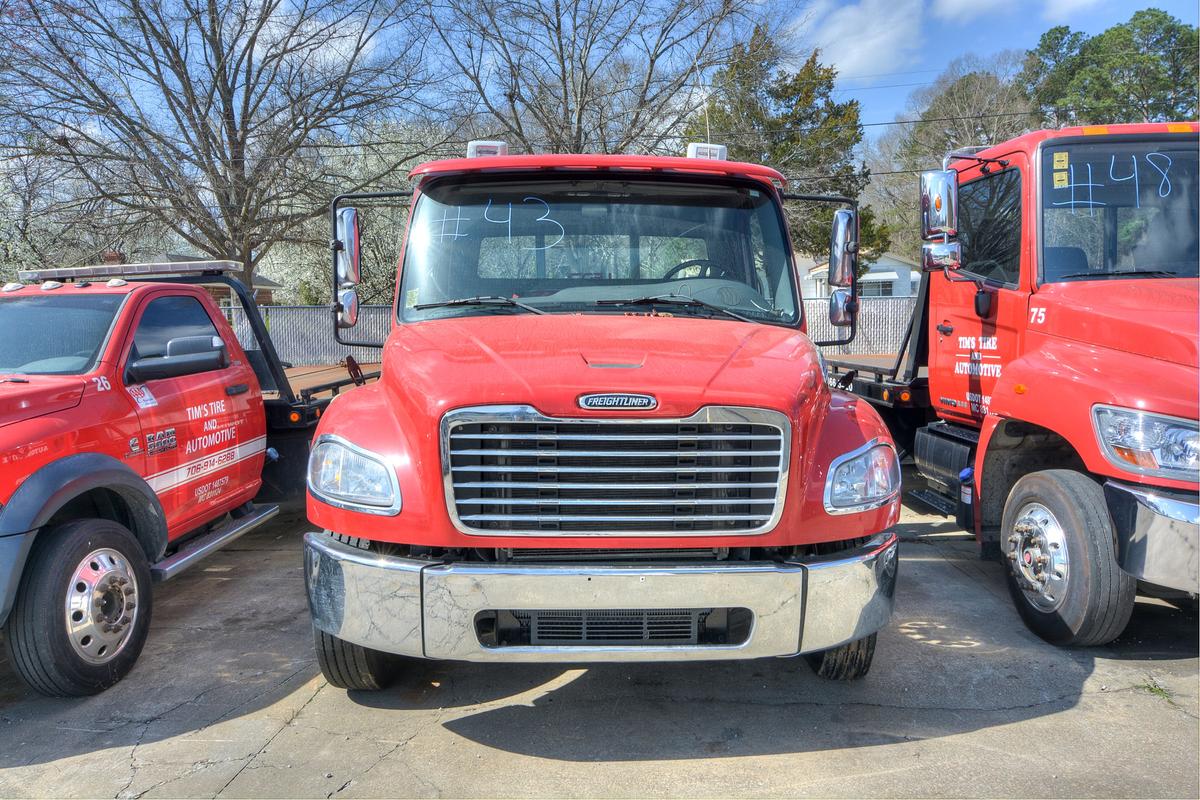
43, 394
549, 361
1155, 318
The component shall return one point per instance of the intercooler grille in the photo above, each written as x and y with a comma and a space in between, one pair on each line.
719, 472
613, 627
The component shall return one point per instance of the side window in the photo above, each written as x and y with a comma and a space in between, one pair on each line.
989, 226
167, 318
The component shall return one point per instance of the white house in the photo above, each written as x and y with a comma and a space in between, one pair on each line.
889, 275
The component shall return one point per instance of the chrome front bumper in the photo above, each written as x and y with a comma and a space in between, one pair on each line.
1158, 534
427, 609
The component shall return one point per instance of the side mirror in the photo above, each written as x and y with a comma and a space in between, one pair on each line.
939, 204
843, 249
186, 355
349, 268
940, 256
347, 311
841, 309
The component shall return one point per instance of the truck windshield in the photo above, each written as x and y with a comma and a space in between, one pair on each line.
54, 334
586, 245
1119, 208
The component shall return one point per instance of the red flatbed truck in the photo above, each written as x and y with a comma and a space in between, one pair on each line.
137, 436
1046, 388
601, 432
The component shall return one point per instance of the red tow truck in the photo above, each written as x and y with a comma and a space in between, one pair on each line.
135, 432
601, 432
1047, 386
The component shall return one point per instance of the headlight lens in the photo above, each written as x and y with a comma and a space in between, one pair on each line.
863, 479
1149, 444
347, 476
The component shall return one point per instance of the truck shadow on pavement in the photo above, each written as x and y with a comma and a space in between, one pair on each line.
231, 644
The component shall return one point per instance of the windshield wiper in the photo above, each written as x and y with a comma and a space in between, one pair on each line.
675, 300
1120, 273
486, 300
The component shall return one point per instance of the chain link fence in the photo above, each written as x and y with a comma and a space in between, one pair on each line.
303, 335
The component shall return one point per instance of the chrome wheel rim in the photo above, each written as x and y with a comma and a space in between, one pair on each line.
1039, 558
101, 606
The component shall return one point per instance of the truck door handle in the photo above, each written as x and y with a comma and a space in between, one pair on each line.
945, 329
237, 388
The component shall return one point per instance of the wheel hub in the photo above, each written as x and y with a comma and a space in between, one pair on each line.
1038, 553
101, 605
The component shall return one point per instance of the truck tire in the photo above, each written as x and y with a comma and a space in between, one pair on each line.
350, 666
847, 662
82, 610
1060, 552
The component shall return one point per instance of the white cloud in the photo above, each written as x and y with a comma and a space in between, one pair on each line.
964, 10
1065, 10
867, 37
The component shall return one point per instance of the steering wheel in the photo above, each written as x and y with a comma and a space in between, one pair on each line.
708, 269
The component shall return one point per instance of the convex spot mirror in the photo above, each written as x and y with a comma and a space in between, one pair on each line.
939, 204
347, 312
349, 254
940, 256
843, 249
186, 355
841, 309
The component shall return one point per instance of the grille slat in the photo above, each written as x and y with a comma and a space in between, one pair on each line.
517, 472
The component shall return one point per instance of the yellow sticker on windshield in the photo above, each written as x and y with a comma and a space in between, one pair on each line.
1061, 159
1060, 180
410, 298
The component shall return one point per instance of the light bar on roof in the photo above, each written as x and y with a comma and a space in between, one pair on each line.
479, 148
130, 270
713, 152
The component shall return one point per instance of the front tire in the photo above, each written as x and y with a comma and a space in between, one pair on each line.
847, 662
82, 610
351, 666
1062, 570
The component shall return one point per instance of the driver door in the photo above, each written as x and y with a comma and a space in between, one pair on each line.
968, 352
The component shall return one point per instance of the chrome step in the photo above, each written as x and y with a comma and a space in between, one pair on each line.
210, 542
934, 500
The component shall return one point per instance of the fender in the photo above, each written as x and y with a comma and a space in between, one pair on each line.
47, 490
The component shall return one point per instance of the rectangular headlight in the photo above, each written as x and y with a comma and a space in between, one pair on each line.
863, 479
1148, 444
347, 476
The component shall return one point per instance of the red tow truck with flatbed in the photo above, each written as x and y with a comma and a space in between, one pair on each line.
1046, 388
137, 436
601, 432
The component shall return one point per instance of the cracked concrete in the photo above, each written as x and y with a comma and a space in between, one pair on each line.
962, 701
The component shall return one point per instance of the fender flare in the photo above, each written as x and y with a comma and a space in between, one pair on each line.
46, 491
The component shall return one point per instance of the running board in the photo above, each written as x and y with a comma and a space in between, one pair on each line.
938, 502
210, 542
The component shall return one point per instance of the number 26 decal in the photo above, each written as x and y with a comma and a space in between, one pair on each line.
102, 384
1037, 315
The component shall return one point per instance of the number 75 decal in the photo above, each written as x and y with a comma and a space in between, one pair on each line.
1037, 316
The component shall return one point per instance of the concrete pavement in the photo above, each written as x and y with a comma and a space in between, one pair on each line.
962, 701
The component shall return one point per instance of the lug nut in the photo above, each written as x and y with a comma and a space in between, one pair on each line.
122, 581
125, 620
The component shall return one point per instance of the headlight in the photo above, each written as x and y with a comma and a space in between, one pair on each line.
1149, 444
862, 479
346, 476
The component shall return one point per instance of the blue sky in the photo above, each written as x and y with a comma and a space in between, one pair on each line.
883, 47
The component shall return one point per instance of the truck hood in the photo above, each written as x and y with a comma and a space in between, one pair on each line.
1155, 317
43, 394
548, 361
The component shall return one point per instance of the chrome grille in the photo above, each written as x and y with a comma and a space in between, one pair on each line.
510, 470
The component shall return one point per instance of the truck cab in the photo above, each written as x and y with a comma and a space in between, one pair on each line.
136, 432
601, 432
1047, 389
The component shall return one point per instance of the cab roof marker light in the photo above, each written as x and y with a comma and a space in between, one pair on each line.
713, 152
50, 286
116, 283
13, 286
481, 148
138, 270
